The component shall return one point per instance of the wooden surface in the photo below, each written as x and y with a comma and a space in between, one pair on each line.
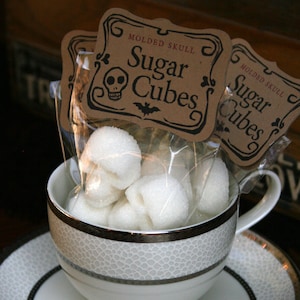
273, 34
277, 16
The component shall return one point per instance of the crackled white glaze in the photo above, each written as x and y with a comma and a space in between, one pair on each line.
142, 261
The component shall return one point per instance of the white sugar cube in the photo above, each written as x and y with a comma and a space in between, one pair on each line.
153, 164
211, 186
163, 161
99, 191
79, 207
116, 152
123, 216
161, 198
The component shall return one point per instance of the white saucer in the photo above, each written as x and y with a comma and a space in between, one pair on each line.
255, 269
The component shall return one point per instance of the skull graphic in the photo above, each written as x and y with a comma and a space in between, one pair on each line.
115, 80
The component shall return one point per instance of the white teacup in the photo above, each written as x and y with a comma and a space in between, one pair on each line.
182, 263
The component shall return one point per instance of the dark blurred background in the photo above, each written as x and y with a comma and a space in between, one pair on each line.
30, 37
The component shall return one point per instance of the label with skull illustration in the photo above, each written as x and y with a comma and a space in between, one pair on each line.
264, 104
157, 74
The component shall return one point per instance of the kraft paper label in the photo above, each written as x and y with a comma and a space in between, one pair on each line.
157, 74
72, 44
264, 104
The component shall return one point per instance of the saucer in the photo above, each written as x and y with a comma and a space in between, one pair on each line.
255, 269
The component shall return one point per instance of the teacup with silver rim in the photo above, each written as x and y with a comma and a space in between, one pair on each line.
180, 263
